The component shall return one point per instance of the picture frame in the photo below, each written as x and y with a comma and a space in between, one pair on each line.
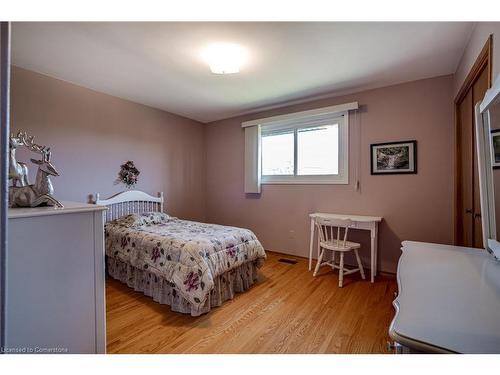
495, 148
393, 158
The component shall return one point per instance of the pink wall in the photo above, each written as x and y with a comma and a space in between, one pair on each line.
91, 134
200, 167
414, 207
476, 42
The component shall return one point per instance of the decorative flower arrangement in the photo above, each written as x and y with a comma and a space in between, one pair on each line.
128, 174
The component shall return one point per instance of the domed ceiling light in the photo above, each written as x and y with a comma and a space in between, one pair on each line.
224, 58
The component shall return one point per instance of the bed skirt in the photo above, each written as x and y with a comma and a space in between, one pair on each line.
165, 292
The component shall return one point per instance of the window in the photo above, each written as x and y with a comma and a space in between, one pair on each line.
309, 147
310, 151
318, 150
278, 153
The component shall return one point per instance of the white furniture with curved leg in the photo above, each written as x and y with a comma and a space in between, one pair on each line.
448, 301
369, 223
333, 237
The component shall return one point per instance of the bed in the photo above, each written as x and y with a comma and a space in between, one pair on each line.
188, 265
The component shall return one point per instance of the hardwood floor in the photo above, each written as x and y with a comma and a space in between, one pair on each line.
287, 311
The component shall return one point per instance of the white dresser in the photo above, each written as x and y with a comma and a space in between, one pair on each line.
449, 300
55, 300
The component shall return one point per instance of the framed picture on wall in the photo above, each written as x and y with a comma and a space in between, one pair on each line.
495, 148
394, 157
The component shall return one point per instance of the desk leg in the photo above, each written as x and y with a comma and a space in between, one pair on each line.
374, 250
372, 255
311, 244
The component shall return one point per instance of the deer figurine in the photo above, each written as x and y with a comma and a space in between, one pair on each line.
18, 172
39, 193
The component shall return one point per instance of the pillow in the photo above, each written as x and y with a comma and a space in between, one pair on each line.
149, 218
145, 218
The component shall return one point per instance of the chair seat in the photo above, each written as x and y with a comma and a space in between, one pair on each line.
335, 245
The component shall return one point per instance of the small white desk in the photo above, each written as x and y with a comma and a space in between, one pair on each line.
360, 222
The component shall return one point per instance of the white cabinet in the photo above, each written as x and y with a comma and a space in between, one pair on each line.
55, 294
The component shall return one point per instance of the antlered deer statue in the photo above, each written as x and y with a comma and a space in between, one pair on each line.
18, 172
39, 193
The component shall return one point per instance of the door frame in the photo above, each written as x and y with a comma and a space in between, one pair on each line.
5, 37
484, 60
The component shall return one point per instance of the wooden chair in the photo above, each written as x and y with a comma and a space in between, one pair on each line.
331, 239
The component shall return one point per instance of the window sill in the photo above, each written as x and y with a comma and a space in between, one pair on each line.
319, 180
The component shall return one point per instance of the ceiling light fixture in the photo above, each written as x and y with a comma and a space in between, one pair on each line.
224, 58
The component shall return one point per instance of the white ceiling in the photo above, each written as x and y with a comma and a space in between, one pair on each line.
158, 64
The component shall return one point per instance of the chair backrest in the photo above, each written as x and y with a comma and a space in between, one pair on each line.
330, 230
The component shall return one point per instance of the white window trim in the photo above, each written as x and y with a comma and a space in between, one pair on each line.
253, 158
342, 178
334, 109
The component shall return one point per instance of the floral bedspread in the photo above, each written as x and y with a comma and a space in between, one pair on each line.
187, 253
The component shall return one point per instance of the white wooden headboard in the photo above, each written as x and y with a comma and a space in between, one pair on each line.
130, 202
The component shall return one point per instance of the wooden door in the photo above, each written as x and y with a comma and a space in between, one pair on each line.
468, 207
466, 171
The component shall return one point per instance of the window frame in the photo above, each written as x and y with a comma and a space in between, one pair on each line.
342, 178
